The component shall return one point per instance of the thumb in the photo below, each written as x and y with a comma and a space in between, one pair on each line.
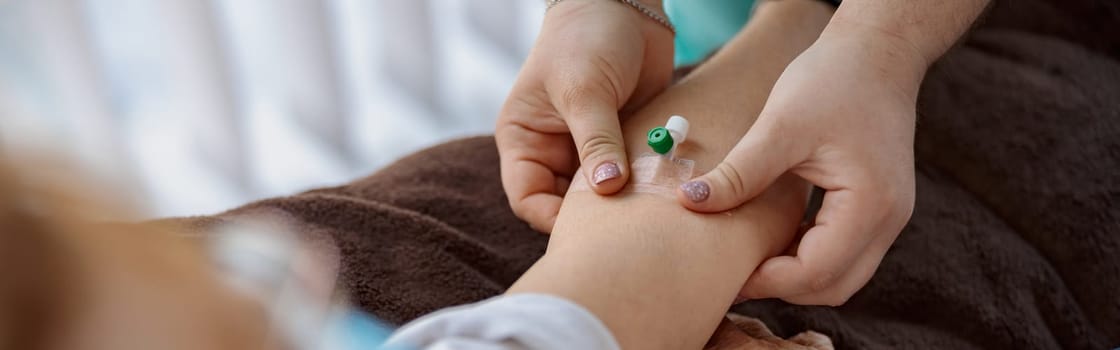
755, 162
593, 122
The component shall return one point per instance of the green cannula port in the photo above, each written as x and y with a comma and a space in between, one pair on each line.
659, 139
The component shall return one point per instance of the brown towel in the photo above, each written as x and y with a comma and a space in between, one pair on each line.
1014, 242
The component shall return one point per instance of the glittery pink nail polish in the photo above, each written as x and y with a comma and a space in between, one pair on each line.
606, 171
696, 191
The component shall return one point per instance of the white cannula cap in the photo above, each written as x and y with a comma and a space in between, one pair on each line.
678, 128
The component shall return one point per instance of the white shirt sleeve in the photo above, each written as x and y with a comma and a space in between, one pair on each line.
518, 321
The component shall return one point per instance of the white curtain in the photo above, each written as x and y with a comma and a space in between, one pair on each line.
200, 105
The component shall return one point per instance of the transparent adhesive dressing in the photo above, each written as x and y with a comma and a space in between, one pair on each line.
650, 173
658, 172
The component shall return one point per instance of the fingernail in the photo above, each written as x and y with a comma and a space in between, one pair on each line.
606, 171
696, 191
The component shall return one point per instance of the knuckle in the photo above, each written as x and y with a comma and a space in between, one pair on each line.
575, 94
735, 182
598, 144
610, 71
578, 90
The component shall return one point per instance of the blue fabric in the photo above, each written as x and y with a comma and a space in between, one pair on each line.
705, 25
356, 330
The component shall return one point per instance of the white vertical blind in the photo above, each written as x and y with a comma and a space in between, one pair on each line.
199, 89
76, 101
215, 103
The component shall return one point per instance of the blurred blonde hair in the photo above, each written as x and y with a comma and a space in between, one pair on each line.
66, 281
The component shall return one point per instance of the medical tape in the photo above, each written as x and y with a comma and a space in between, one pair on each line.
650, 173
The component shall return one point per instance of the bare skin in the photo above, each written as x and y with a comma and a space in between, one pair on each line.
657, 274
851, 99
592, 59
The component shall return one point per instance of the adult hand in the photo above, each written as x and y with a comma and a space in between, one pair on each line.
842, 117
592, 59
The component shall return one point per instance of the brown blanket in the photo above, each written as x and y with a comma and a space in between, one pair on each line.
1014, 243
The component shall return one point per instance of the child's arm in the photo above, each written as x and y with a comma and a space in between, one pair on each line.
657, 274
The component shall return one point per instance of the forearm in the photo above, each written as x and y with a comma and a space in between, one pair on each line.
903, 37
931, 26
658, 275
